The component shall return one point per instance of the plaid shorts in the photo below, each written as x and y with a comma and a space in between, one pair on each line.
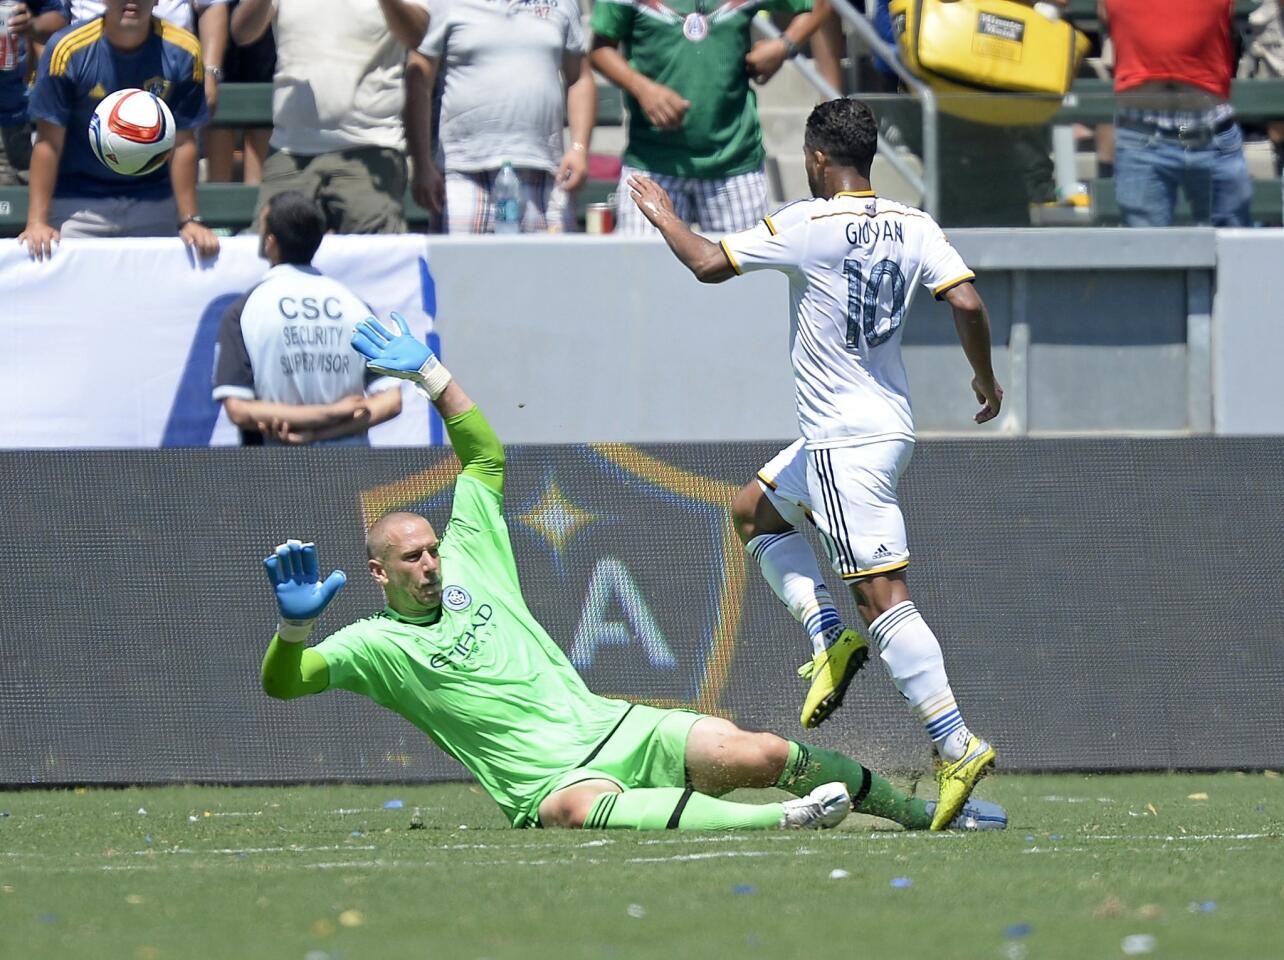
716, 205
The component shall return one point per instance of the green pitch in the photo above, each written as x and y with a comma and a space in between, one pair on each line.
1195, 862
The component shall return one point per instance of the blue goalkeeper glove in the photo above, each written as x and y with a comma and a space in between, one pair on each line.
294, 572
400, 355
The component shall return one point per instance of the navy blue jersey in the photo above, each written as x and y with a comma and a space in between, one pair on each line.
79, 68
13, 83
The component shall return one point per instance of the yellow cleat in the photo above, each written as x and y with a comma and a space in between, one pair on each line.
830, 673
955, 781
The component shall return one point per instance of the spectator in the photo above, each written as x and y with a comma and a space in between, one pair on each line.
337, 105
208, 19
990, 172
503, 69
29, 26
693, 121
253, 63
284, 367
1264, 57
73, 195
1174, 125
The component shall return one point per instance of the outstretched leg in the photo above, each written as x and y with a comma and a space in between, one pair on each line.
766, 523
602, 805
722, 757
913, 657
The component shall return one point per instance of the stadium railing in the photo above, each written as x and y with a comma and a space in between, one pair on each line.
231, 205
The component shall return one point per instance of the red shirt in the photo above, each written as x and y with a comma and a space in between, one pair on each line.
1187, 41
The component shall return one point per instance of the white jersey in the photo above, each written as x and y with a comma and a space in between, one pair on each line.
853, 263
289, 341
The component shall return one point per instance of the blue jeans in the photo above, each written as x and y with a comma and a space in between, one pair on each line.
1149, 170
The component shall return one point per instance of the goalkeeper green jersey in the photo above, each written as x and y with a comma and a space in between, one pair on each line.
696, 48
484, 681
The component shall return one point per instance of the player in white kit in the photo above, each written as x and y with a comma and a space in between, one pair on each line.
854, 261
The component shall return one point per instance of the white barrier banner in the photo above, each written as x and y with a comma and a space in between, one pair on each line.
110, 343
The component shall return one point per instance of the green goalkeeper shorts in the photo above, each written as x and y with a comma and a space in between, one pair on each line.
647, 749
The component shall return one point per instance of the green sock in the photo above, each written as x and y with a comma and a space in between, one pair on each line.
809, 767
671, 808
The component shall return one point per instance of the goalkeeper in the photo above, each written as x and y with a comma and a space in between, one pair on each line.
457, 653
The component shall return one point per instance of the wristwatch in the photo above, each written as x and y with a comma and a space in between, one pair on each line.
194, 218
791, 48
216, 73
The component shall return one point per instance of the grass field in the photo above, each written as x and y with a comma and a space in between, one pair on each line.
1091, 867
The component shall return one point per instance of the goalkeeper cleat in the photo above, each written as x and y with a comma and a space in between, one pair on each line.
975, 815
824, 807
830, 673
955, 781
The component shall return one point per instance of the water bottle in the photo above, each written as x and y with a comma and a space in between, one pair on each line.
559, 202
507, 199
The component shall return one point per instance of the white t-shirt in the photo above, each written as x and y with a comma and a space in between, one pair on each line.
853, 264
289, 341
178, 12
503, 97
339, 73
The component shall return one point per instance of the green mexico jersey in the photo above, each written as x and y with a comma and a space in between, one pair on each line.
484, 681
697, 48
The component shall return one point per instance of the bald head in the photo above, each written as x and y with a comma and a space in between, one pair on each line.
402, 554
395, 528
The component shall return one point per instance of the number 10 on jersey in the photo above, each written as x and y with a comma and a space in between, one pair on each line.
863, 296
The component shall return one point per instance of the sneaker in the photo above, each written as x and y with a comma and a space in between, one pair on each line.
955, 781
824, 807
975, 815
830, 673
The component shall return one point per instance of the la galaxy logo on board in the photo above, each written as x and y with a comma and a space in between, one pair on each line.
455, 598
695, 27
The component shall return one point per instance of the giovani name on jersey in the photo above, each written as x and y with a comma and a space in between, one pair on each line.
865, 232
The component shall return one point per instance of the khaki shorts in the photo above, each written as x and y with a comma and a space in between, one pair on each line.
360, 189
647, 749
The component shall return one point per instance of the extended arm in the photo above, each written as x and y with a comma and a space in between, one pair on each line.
427, 186
402, 355
291, 670
581, 114
475, 443
288, 669
39, 236
704, 258
211, 27
973, 326
182, 176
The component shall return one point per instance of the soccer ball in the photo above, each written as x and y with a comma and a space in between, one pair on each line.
132, 132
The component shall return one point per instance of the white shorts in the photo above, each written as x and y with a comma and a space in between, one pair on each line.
849, 493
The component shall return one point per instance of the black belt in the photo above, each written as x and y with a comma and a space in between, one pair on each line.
1187, 133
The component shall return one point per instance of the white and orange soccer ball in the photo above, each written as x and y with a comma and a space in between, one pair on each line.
132, 132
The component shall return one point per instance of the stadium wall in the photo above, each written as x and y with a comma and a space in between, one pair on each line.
580, 339
1104, 604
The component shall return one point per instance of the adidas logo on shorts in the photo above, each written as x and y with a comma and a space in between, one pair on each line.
882, 553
